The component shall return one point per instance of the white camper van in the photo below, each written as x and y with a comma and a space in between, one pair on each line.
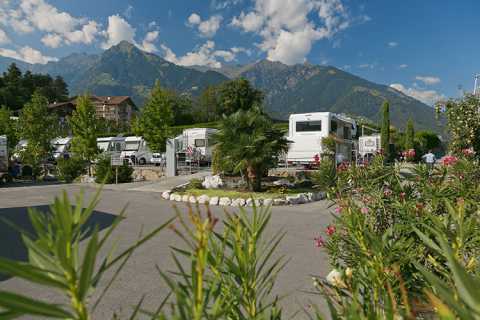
111, 144
61, 148
199, 140
19, 148
3, 157
306, 131
369, 146
136, 151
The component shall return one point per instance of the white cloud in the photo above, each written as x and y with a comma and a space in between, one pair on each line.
148, 42
392, 44
429, 97
194, 19
207, 28
128, 12
238, 50
61, 27
3, 37
206, 55
428, 80
249, 22
220, 5
118, 30
52, 40
366, 66
27, 54
286, 29
403, 66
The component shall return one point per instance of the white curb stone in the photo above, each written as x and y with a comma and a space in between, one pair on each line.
224, 201
192, 199
203, 199
214, 201
178, 198
238, 202
185, 198
267, 202
279, 202
166, 195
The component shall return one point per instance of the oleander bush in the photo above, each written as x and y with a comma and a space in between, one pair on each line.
378, 242
70, 169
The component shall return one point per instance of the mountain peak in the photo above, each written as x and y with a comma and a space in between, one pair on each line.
124, 46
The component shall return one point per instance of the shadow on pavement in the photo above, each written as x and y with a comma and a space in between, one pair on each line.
11, 244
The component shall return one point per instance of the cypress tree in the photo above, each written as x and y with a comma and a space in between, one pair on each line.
409, 135
385, 132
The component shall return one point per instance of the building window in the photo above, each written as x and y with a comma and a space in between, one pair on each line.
308, 126
199, 143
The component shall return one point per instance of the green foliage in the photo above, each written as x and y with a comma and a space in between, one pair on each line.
195, 184
231, 274
8, 127
463, 123
56, 262
385, 130
208, 105
106, 173
238, 95
156, 118
38, 127
326, 175
71, 168
409, 136
84, 125
248, 142
16, 89
329, 145
427, 140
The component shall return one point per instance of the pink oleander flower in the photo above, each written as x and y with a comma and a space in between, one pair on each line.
331, 230
338, 209
319, 242
402, 195
316, 158
468, 152
449, 160
364, 210
387, 192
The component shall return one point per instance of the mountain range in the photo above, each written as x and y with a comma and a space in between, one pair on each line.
126, 70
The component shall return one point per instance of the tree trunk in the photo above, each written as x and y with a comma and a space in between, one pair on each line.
255, 177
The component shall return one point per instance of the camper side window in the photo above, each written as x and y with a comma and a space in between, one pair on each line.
333, 126
306, 126
199, 143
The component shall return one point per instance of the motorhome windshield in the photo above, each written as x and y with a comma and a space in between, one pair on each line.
59, 147
132, 145
103, 145
308, 126
200, 143
115, 146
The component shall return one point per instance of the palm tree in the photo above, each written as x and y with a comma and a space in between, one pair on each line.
248, 140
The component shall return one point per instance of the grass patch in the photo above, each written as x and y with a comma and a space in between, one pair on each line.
234, 194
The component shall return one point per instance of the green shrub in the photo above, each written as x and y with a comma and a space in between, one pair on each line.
70, 169
195, 184
105, 172
329, 145
326, 175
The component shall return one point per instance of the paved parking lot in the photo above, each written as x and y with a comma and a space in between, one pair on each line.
145, 211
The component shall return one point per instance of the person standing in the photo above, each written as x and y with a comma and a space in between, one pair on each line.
429, 159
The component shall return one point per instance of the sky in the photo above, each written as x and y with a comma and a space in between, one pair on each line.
427, 49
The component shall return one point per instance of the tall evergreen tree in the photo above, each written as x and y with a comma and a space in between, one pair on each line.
385, 131
84, 125
156, 118
38, 127
410, 135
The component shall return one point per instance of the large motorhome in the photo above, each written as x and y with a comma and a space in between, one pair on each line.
307, 130
198, 140
109, 145
3, 157
136, 151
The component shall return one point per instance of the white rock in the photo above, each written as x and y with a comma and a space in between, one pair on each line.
177, 198
192, 199
249, 202
283, 182
238, 202
279, 202
292, 199
267, 202
258, 202
214, 201
309, 196
224, 201
172, 197
166, 195
185, 198
203, 199
212, 182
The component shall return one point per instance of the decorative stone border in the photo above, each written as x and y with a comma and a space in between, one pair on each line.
299, 198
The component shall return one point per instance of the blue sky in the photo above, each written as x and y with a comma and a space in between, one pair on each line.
427, 49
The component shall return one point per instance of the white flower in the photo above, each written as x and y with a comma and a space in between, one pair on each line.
334, 278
